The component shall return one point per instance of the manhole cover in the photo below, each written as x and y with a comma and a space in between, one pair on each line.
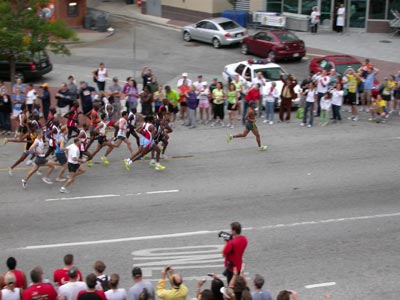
385, 41
192, 45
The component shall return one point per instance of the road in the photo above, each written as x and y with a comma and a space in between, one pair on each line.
319, 207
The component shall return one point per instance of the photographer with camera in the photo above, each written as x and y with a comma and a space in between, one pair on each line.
178, 290
235, 245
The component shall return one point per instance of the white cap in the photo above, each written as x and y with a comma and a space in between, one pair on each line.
184, 74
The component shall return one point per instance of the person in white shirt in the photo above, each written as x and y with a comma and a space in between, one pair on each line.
74, 164
315, 15
100, 75
204, 103
115, 293
326, 104
311, 97
269, 98
340, 18
10, 292
337, 101
70, 290
181, 80
31, 97
259, 79
322, 87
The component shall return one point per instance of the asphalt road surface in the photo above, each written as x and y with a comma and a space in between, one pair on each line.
320, 208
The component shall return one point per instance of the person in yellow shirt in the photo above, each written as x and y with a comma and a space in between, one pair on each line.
178, 290
353, 79
378, 109
388, 86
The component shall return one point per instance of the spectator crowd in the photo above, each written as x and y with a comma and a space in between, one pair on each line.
69, 284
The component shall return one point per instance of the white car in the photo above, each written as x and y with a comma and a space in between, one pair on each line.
248, 69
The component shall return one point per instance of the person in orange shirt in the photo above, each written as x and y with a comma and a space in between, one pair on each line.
183, 89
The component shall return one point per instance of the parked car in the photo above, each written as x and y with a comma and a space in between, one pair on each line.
248, 69
28, 66
276, 45
340, 63
218, 32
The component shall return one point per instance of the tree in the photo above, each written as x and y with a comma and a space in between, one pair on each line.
23, 28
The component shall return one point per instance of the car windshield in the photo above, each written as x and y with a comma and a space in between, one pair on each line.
228, 25
287, 37
342, 68
271, 74
27, 56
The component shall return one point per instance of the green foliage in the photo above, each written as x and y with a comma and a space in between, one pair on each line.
22, 28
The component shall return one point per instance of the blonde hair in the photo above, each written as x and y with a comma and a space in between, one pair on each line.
9, 280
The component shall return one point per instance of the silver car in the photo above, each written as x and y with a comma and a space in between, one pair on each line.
218, 32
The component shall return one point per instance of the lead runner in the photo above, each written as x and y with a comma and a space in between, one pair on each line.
250, 125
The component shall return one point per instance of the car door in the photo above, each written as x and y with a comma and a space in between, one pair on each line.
258, 43
198, 30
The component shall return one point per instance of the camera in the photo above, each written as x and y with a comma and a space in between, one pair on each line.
225, 235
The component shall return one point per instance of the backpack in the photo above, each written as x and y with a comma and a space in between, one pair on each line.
104, 283
144, 295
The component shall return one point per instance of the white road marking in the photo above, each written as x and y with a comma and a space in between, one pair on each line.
316, 55
83, 197
110, 196
162, 192
318, 285
203, 232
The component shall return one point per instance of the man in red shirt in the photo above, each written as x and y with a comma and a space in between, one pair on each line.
91, 293
39, 290
20, 278
61, 276
234, 250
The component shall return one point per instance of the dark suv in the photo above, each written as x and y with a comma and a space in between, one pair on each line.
28, 66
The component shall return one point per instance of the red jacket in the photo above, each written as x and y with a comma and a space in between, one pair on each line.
253, 95
234, 250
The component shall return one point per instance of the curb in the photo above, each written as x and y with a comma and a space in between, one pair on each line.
111, 33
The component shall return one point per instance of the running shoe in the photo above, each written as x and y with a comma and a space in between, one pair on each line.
229, 138
39, 173
10, 171
60, 179
64, 190
263, 148
24, 183
163, 156
127, 165
47, 180
152, 163
159, 167
5, 141
90, 163
271, 122
105, 160
29, 162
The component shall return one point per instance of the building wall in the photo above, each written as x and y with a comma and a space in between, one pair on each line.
193, 10
61, 12
258, 5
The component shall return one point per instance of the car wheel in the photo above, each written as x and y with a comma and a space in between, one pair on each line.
20, 76
298, 58
271, 56
216, 43
245, 49
187, 37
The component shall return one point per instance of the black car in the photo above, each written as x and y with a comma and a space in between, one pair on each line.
28, 66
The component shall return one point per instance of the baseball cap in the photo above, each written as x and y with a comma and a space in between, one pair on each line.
136, 272
115, 78
184, 74
227, 292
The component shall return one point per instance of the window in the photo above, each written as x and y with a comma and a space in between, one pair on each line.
287, 37
228, 25
393, 5
202, 24
307, 5
260, 36
377, 9
274, 6
291, 6
211, 26
247, 74
72, 9
239, 69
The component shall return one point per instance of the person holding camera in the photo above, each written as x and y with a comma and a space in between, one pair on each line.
287, 95
178, 290
235, 245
